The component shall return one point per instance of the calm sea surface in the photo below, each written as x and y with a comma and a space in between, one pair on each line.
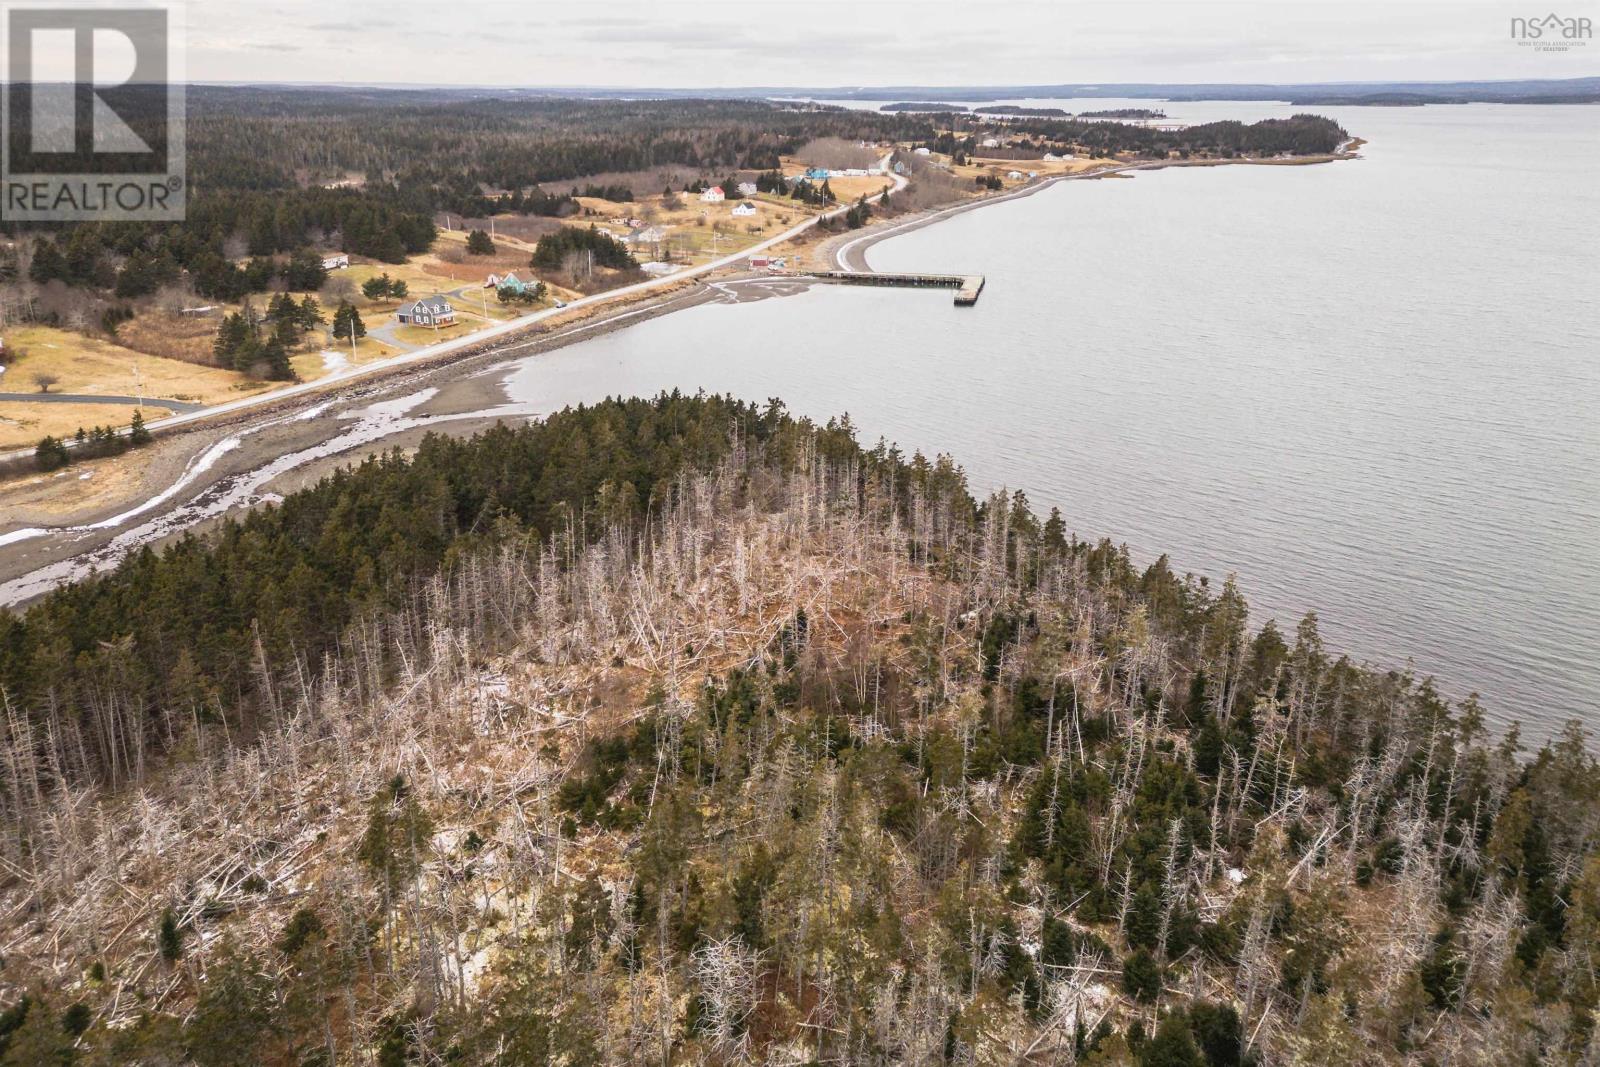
1371, 389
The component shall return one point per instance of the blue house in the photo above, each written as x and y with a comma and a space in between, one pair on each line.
429, 311
817, 174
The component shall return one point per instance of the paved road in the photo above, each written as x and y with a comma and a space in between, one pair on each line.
98, 398
322, 385
385, 333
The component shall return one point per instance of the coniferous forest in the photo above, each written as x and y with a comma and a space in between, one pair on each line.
682, 731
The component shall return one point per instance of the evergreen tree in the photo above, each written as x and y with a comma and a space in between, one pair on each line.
169, 939
347, 322
479, 244
48, 265
305, 272
1172, 1046
233, 1016
233, 338
275, 354
309, 314
1217, 1032
51, 454
1142, 977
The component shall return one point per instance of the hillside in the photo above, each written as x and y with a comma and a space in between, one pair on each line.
684, 732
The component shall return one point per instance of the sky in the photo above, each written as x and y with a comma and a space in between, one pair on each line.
727, 43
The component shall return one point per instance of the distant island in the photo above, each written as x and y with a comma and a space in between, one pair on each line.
923, 106
1043, 112
1520, 91
1375, 100
1419, 99
1124, 113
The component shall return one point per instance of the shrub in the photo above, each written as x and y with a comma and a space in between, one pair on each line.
1142, 977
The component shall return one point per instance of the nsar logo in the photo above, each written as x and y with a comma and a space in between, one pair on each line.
1553, 33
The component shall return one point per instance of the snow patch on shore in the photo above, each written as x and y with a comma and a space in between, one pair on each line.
21, 535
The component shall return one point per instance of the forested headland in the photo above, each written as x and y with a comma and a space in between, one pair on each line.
1311, 135
684, 731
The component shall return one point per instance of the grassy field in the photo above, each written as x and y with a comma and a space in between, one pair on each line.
969, 172
693, 229
92, 365
329, 355
422, 336
423, 275
38, 498
162, 333
22, 423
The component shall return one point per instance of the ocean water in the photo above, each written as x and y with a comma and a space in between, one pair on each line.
1370, 389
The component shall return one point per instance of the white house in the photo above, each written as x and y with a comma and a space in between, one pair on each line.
1015, 175
645, 235
745, 209
335, 262
747, 189
989, 142
922, 152
714, 195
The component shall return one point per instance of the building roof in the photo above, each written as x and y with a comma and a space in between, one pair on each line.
431, 304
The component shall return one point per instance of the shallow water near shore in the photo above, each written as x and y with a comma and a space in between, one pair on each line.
1370, 388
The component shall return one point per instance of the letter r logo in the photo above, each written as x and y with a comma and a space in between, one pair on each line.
87, 82
92, 102
59, 70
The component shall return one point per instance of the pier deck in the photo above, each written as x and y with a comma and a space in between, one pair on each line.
967, 286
